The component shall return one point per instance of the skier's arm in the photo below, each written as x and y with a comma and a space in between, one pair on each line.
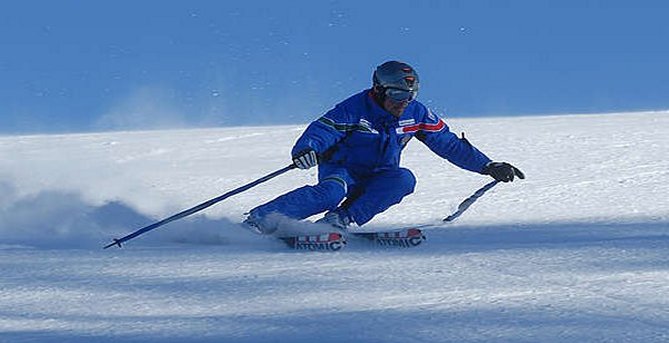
438, 137
323, 133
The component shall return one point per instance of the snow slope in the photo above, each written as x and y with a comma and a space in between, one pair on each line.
577, 252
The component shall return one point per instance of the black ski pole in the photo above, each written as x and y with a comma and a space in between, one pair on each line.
464, 205
199, 207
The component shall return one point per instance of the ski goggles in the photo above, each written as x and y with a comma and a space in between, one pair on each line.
398, 95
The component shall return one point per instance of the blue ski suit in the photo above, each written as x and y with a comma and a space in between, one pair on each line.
359, 145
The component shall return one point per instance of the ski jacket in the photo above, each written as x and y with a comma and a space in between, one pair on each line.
364, 138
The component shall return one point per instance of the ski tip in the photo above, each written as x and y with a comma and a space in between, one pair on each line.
115, 242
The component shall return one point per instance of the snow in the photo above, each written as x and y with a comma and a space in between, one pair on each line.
577, 252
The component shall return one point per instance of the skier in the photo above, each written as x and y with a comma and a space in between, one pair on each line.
357, 147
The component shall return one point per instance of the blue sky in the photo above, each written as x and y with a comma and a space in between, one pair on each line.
77, 66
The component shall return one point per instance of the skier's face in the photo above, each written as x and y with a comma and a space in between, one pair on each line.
396, 108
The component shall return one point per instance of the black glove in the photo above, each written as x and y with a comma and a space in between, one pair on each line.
502, 171
305, 159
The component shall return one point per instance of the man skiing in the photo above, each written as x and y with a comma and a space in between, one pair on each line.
357, 147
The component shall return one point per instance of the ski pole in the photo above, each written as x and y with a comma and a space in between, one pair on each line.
464, 205
199, 207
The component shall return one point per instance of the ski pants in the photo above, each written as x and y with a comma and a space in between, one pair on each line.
366, 196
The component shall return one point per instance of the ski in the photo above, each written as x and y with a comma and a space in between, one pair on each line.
335, 241
402, 238
309, 236
332, 241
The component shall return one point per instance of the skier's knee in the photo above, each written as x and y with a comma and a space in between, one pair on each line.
331, 191
336, 180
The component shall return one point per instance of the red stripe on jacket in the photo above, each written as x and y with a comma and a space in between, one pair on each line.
424, 127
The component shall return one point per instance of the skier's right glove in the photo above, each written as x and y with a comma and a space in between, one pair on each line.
502, 171
305, 159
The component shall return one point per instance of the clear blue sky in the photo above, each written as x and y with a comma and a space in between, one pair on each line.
72, 66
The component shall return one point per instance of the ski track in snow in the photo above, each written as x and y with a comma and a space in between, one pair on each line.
577, 252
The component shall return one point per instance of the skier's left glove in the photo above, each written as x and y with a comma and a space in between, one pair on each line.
305, 159
502, 171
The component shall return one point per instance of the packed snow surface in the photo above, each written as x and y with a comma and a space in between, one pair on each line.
577, 252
